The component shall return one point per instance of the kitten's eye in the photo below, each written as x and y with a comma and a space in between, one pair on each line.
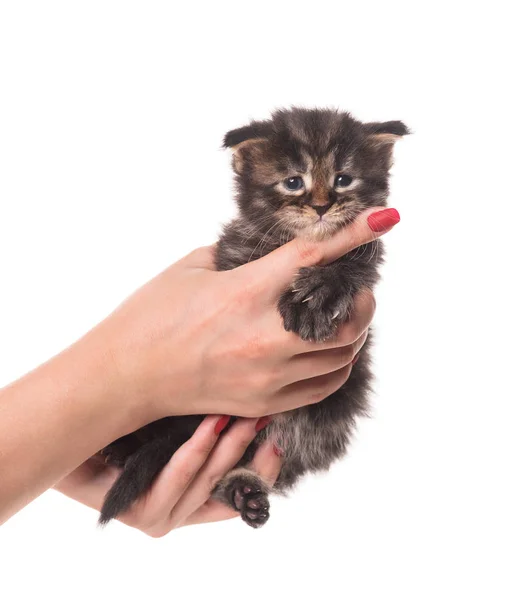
293, 184
342, 181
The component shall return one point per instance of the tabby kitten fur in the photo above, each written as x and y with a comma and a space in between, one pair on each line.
303, 172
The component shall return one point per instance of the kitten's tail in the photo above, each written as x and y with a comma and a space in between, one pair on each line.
139, 472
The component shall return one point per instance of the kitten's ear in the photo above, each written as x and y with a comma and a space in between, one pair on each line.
386, 133
377, 149
255, 130
247, 143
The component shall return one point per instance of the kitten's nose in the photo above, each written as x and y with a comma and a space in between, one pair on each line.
321, 210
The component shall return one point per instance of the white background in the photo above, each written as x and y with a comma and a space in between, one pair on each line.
111, 118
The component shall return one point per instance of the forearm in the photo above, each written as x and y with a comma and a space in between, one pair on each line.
56, 417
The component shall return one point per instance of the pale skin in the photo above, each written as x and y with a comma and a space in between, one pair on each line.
191, 341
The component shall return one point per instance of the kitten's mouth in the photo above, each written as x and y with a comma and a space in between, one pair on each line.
320, 229
312, 226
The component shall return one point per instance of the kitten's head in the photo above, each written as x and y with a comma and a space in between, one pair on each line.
311, 171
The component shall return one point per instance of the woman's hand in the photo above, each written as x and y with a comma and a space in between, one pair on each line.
192, 340
197, 341
181, 493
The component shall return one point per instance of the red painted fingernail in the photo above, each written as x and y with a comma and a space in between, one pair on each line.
383, 220
356, 358
221, 424
278, 451
261, 423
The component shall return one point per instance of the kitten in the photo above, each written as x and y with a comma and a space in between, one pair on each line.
301, 173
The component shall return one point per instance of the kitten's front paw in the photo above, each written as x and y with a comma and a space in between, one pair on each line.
313, 307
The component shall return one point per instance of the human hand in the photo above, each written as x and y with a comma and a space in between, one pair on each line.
197, 341
190, 341
181, 493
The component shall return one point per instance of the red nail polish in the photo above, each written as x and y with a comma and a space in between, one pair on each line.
221, 424
261, 423
356, 358
383, 219
278, 451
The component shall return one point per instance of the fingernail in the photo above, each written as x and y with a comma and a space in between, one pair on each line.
278, 451
383, 219
356, 358
261, 423
221, 424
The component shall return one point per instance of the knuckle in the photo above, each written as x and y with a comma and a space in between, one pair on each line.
187, 470
241, 442
241, 437
344, 337
361, 341
329, 385
156, 533
199, 252
260, 382
132, 521
373, 302
366, 300
212, 480
200, 451
253, 348
370, 304
193, 254
319, 393
347, 355
344, 374
356, 329
350, 331
184, 476
273, 378
308, 252
245, 289
200, 255
259, 408
150, 524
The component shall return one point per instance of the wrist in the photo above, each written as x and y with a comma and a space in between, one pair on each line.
63, 412
111, 396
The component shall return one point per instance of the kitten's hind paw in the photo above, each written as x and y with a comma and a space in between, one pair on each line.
244, 491
117, 453
252, 503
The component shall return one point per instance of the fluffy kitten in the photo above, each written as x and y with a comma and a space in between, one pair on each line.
300, 173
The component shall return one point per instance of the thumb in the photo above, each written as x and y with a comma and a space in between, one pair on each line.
200, 258
285, 262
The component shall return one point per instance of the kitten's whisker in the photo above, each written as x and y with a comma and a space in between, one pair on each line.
375, 247
263, 239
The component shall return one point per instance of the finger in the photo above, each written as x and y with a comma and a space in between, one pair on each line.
289, 258
267, 463
314, 364
311, 391
283, 345
176, 476
200, 258
350, 331
225, 455
210, 512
